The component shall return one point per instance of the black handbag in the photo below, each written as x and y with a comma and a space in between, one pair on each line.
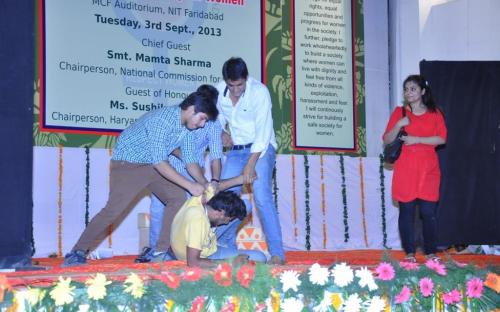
393, 149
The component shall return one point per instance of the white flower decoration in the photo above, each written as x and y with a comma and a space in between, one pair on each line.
342, 274
376, 304
352, 304
366, 279
292, 305
318, 275
290, 280
325, 304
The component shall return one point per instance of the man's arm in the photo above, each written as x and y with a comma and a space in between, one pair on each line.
196, 172
171, 174
228, 183
215, 167
194, 260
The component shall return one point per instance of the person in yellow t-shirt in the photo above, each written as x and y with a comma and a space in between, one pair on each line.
192, 235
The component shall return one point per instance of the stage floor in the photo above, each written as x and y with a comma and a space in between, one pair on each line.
119, 266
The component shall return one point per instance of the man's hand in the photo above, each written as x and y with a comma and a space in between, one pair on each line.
249, 174
196, 189
227, 141
214, 185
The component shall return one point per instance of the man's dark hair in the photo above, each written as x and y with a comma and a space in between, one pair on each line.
202, 104
234, 69
230, 203
209, 91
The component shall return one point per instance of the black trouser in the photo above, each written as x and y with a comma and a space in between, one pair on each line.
406, 224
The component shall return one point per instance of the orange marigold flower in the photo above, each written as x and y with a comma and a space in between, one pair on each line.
223, 275
4, 285
170, 278
245, 275
493, 281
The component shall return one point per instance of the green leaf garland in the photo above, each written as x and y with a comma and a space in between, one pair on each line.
382, 199
275, 189
344, 200
87, 182
307, 201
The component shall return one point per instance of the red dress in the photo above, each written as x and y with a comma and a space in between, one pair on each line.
416, 172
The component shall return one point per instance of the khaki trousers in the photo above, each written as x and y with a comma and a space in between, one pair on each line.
127, 180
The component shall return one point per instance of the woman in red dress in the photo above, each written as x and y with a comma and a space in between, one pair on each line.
417, 175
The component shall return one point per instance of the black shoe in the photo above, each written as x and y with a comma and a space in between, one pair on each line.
145, 256
74, 258
162, 256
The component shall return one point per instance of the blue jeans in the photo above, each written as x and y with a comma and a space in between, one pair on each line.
262, 191
228, 252
406, 224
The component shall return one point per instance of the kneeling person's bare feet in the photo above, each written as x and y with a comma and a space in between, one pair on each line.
276, 260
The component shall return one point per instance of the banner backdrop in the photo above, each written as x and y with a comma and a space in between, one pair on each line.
134, 56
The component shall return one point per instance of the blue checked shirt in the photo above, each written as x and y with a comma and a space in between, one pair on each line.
152, 137
208, 136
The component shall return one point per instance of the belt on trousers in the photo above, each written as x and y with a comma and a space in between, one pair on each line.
240, 147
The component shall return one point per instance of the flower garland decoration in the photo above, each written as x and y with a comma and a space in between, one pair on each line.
363, 208
382, 200
110, 228
134, 285
59, 202
223, 275
96, 287
323, 202
255, 287
251, 198
87, 182
344, 200
275, 188
307, 202
63, 292
294, 200
4, 286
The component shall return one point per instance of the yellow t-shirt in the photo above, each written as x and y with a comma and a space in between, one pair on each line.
191, 228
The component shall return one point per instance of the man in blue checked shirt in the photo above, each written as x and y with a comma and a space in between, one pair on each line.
140, 162
208, 136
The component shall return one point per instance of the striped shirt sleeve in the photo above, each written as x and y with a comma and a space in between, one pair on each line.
215, 140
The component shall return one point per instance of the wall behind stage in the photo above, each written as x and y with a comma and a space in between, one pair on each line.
440, 30
326, 202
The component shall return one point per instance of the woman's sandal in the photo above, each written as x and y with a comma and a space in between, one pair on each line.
432, 257
410, 258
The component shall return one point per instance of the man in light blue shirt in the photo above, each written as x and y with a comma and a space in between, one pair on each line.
140, 162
